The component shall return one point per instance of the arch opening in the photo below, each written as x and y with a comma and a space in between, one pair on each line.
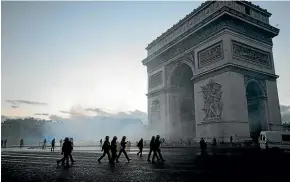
256, 108
184, 124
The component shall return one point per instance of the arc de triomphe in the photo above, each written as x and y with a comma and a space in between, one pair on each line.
212, 74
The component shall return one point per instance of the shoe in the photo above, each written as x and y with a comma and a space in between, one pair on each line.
117, 161
99, 160
129, 160
148, 160
141, 155
137, 154
57, 162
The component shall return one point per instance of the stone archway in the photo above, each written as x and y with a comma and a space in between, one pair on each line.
256, 101
182, 88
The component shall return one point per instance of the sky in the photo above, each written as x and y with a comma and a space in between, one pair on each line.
64, 57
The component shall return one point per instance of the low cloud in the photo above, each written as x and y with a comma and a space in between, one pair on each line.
97, 111
15, 106
17, 102
41, 114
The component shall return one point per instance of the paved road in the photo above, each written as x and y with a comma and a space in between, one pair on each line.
181, 165
41, 166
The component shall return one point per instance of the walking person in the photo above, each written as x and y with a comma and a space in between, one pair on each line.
106, 149
65, 151
122, 149
152, 148
52, 145
140, 146
114, 149
21, 143
157, 149
5, 142
44, 144
202, 146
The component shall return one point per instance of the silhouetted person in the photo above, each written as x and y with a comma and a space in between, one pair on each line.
122, 149
60, 142
65, 151
114, 149
140, 146
44, 144
21, 143
72, 147
5, 142
2, 143
231, 141
157, 150
151, 148
214, 143
52, 145
106, 149
202, 146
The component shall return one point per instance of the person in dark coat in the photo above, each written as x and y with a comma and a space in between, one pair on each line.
122, 149
202, 146
52, 145
65, 151
114, 149
72, 147
140, 146
157, 150
152, 148
44, 144
106, 149
21, 143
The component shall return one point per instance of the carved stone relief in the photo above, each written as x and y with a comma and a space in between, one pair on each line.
253, 55
210, 55
213, 106
155, 79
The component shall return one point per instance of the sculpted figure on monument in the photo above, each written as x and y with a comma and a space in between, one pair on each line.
212, 100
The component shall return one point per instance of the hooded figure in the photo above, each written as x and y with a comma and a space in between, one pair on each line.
140, 146
114, 149
106, 149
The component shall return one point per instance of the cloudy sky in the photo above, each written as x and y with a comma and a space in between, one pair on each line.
60, 58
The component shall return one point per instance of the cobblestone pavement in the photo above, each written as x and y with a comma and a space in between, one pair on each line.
182, 164
41, 166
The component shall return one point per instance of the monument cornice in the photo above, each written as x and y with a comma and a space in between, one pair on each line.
223, 23
230, 67
211, 17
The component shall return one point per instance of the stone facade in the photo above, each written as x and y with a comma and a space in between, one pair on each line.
228, 48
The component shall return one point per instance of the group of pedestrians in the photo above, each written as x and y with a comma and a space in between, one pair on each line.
108, 147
